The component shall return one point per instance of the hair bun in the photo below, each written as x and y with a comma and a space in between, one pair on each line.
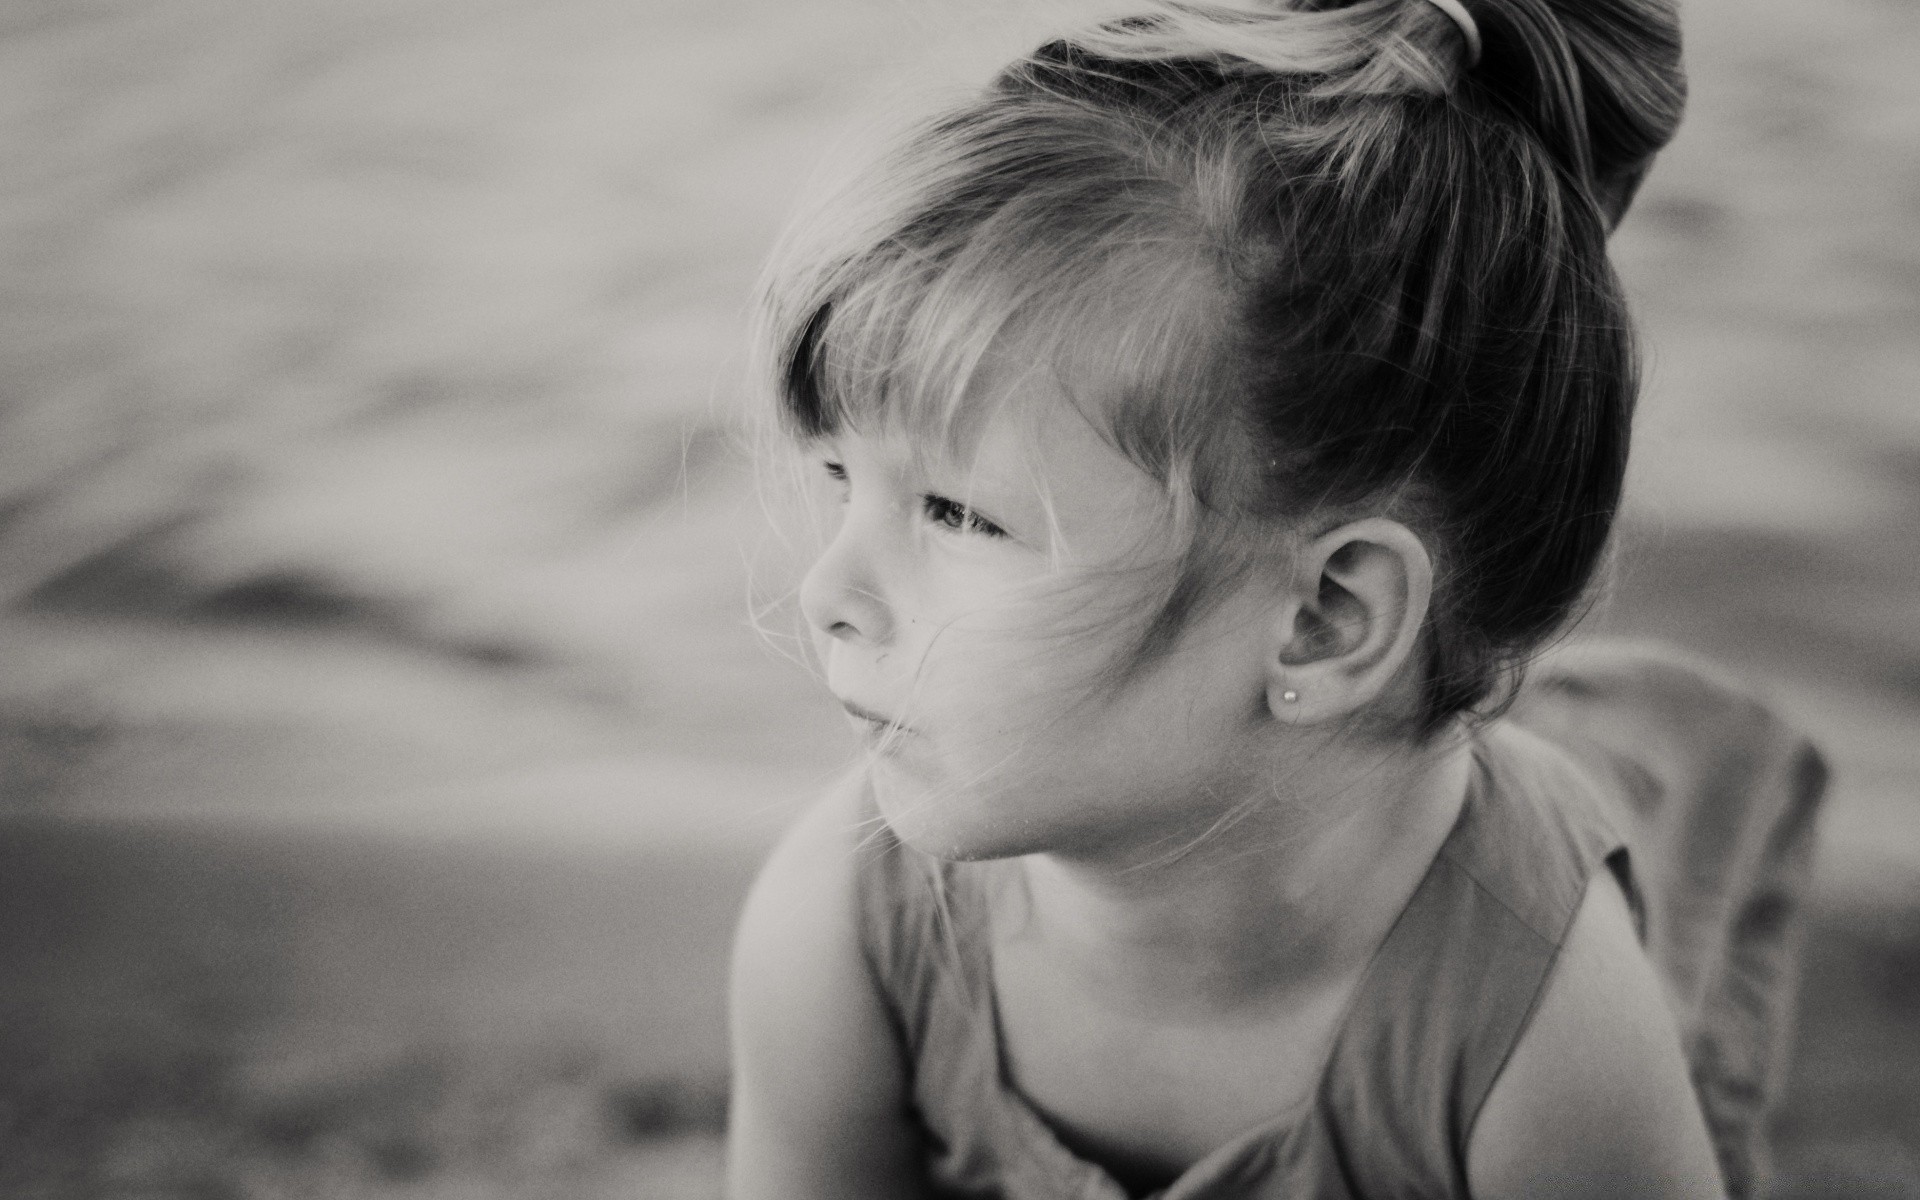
1599, 82
1373, 47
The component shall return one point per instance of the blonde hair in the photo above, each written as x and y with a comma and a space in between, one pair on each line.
1290, 256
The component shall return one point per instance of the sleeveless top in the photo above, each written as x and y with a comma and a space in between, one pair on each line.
1438, 1009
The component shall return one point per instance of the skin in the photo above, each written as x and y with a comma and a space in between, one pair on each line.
1160, 990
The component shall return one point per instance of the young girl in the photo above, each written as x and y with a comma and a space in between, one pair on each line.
1222, 406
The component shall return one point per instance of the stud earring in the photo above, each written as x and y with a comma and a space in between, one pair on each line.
1290, 696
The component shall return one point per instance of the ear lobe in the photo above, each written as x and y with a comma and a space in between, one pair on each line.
1367, 586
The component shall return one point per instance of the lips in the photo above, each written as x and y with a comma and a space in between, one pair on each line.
873, 726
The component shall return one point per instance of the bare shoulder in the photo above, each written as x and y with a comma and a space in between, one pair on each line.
806, 887
1595, 1099
819, 1079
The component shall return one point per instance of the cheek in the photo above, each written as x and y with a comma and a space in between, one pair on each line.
1034, 744
1031, 658
1062, 697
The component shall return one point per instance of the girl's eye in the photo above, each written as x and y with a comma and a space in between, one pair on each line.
836, 472
951, 514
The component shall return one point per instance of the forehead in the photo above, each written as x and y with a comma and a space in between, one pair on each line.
1032, 427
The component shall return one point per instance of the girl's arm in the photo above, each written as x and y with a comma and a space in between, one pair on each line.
1595, 1100
819, 1105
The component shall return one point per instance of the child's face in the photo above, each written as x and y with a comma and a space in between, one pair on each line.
971, 617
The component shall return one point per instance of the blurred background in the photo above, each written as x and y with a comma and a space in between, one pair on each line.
385, 741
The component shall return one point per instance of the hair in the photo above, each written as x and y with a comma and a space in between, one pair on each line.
1302, 258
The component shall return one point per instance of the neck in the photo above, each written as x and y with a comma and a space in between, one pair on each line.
1297, 892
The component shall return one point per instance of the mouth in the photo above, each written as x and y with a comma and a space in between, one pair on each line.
871, 725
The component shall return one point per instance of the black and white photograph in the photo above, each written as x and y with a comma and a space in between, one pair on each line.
959, 600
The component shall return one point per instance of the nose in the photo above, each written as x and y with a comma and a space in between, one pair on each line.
841, 596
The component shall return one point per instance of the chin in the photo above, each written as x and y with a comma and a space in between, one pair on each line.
950, 823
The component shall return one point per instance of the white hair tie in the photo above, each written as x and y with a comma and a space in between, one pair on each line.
1469, 28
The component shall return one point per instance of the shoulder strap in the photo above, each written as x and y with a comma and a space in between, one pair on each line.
917, 918
1453, 986
900, 927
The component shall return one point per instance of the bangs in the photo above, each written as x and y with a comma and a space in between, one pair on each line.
1019, 245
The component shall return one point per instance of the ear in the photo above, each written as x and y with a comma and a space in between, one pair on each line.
1362, 595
